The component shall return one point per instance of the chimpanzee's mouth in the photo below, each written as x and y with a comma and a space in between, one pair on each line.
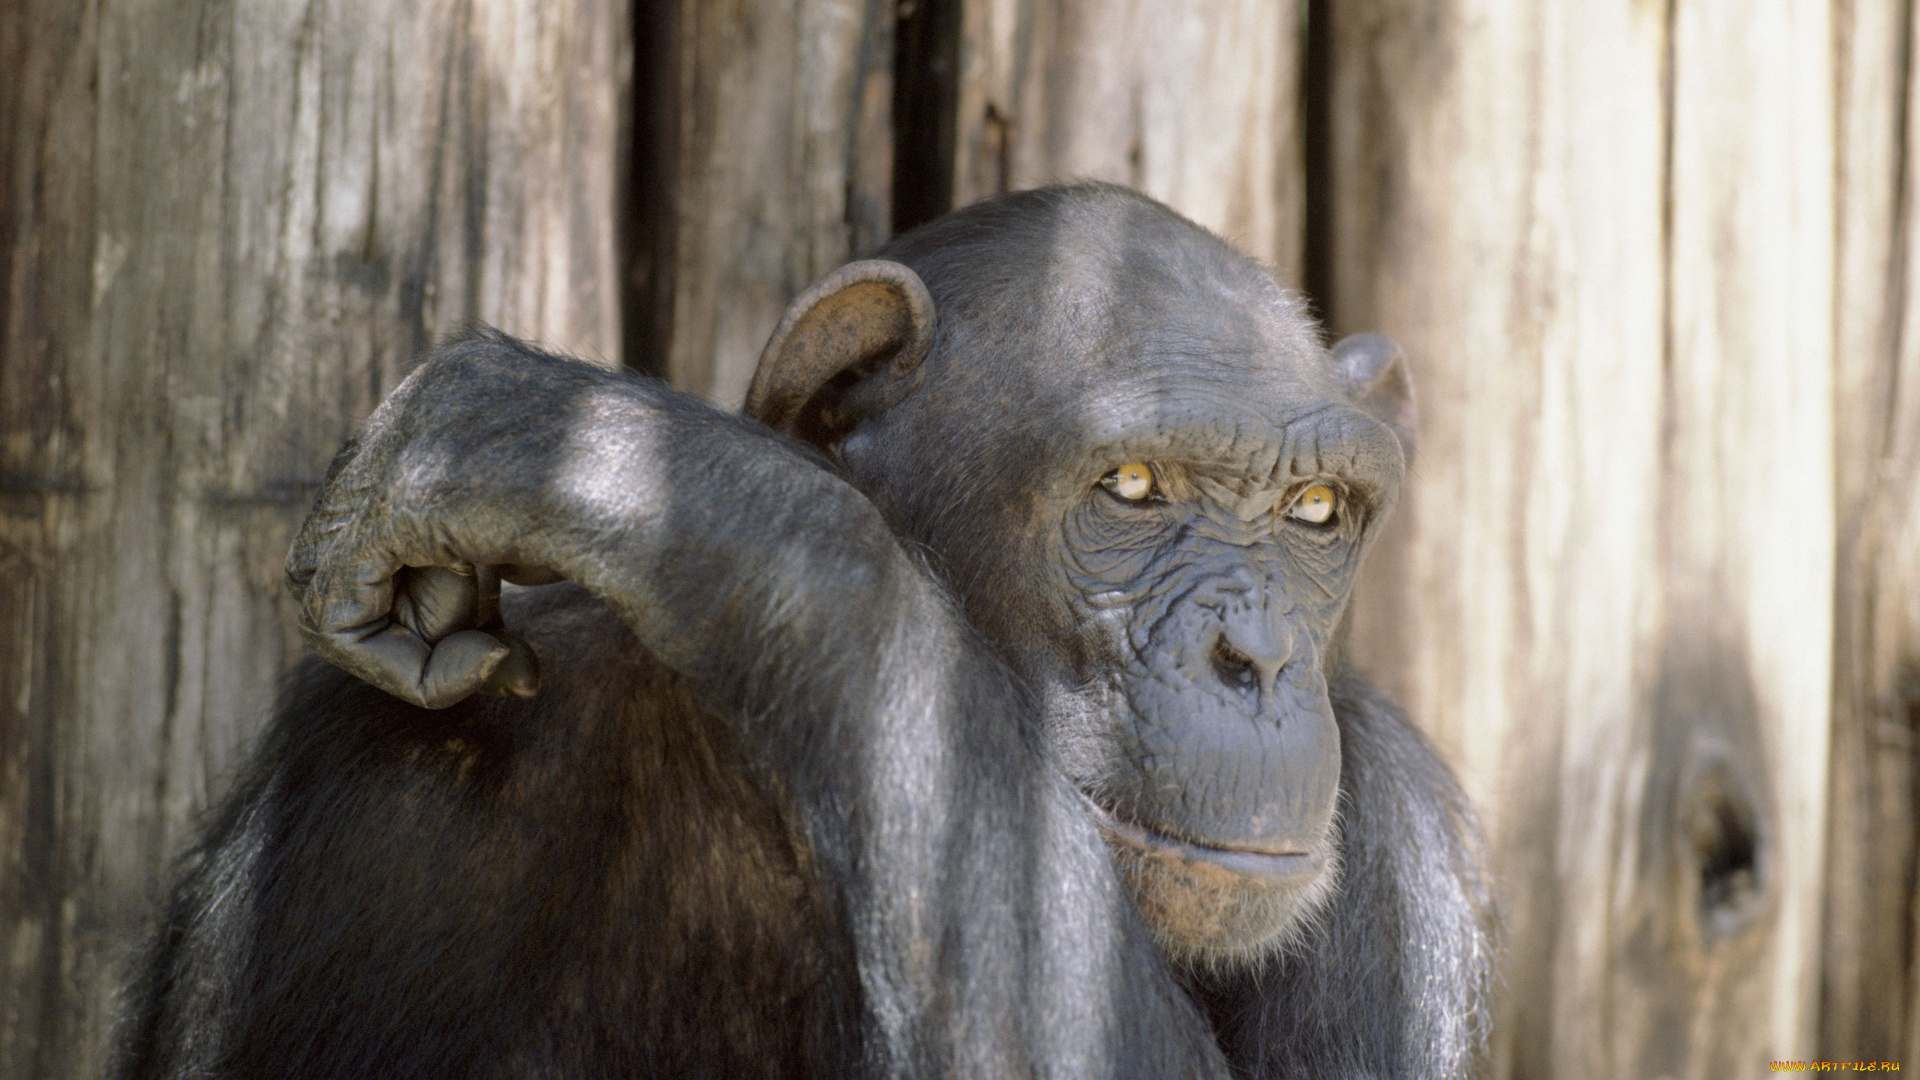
1275, 867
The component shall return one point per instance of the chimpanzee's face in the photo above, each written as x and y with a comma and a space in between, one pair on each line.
1143, 477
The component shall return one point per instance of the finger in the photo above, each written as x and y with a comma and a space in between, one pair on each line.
397, 661
519, 674
460, 665
390, 657
436, 601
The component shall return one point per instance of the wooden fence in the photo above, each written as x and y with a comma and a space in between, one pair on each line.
1655, 588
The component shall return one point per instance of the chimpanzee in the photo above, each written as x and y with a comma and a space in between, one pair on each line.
972, 708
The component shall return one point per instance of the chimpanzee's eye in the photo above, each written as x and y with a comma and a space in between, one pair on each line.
1315, 506
1132, 481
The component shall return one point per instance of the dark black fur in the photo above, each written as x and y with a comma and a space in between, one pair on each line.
672, 929
778, 809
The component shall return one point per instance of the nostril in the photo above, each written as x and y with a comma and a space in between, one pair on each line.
1234, 667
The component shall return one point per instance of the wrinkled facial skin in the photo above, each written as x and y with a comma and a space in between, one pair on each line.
1195, 709
1177, 643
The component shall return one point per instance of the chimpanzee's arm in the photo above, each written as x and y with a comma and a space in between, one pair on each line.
990, 932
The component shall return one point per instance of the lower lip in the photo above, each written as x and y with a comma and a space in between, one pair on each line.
1277, 868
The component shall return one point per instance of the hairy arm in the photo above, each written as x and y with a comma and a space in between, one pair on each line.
990, 933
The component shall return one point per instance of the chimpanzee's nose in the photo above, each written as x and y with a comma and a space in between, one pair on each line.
1252, 645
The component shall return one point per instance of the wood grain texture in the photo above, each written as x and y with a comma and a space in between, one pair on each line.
1748, 561
228, 227
1604, 233
1868, 968
1193, 103
784, 169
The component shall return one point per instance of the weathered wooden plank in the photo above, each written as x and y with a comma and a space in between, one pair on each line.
1593, 596
784, 169
1495, 188
1867, 965
1193, 103
784, 146
1749, 456
229, 225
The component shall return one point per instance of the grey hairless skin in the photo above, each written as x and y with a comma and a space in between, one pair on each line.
972, 706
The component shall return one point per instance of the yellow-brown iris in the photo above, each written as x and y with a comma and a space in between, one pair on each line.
1132, 481
1315, 506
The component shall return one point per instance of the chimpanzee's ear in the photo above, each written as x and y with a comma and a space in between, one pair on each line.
1373, 368
846, 348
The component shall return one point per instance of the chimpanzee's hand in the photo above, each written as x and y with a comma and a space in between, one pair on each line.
387, 585
441, 640
700, 529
